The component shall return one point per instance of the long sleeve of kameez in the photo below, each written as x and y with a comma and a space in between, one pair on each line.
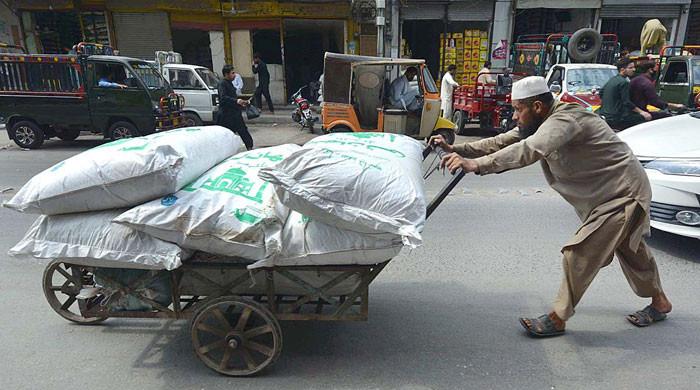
487, 145
555, 132
625, 96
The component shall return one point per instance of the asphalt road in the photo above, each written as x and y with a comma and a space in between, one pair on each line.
443, 316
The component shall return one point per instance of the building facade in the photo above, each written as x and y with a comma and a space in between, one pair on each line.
291, 36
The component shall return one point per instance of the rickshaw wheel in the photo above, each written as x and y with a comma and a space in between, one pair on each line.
65, 280
235, 336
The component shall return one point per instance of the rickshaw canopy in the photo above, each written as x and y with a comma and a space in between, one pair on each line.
338, 73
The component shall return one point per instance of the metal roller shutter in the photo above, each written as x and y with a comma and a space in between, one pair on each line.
140, 35
423, 10
640, 11
479, 10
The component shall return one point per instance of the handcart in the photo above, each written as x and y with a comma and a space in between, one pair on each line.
234, 312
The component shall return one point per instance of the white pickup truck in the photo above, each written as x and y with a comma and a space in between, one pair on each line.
579, 83
197, 84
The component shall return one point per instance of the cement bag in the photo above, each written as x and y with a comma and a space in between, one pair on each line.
126, 172
227, 211
364, 182
306, 241
92, 239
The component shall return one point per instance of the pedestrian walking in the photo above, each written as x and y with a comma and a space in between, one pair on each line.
263, 88
446, 89
231, 107
591, 168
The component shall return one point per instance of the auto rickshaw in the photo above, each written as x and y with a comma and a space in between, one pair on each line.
356, 98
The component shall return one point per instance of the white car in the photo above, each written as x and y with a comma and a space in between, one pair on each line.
669, 149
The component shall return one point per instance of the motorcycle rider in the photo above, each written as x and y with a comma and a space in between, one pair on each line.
617, 109
643, 93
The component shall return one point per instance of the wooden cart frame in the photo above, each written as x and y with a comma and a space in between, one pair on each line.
234, 312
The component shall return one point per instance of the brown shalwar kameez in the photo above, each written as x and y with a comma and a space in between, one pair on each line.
589, 166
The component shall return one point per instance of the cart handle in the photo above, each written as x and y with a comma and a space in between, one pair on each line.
456, 178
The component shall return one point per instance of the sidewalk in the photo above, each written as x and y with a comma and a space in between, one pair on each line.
282, 116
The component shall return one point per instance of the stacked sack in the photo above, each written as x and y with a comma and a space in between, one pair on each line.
79, 197
357, 198
352, 198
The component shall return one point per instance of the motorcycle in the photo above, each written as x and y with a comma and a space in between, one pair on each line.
302, 114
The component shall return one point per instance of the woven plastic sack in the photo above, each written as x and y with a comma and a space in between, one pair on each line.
364, 182
91, 239
228, 211
308, 242
126, 172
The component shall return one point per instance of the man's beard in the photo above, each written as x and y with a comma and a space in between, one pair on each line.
526, 131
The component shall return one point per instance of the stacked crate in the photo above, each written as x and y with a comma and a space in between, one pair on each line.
468, 51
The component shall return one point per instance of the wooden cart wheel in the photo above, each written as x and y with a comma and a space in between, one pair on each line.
236, 336
62, 282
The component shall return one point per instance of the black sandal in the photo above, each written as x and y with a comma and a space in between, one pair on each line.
542, 326
646, 317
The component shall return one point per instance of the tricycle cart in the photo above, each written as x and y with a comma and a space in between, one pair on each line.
489, 103
234, 312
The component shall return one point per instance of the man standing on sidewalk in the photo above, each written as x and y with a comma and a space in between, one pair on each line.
591, 168
260, 68
446, 89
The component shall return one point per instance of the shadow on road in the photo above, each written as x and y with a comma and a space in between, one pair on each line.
674, 245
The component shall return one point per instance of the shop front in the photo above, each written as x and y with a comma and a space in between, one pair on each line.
445, 33
548, 16
626, 18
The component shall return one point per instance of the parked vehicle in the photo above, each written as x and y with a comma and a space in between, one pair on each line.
580, 83
43, 96
489, 103
302, 113
669, 149
356, 98
679, 78
197, 84
534, 55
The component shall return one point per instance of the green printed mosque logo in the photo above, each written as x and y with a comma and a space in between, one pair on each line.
369, 135
234, 181
369, 147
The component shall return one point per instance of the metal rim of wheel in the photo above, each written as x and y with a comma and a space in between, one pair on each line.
25, 135
120, 132
235, 336
67, 280
190, 122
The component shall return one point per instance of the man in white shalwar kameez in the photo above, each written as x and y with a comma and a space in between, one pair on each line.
446, 89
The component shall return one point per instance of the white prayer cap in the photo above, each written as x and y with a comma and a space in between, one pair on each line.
529, 87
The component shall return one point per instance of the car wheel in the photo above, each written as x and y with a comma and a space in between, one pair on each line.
68, 134
122, 129
28, 135
191, 119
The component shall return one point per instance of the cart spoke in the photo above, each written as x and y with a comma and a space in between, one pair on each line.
210, 329
220, 316
243, 319
224, 360
249, 361
267, 351
67, 304
258, 331
67, 275
212, 346
55, 288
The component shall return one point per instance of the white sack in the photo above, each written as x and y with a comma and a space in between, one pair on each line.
306, 241
93, 238
126, 172
228, 211
364, 182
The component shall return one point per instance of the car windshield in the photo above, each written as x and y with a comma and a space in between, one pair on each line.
429, 82
584, 80
148, 74
209, 77
696, 72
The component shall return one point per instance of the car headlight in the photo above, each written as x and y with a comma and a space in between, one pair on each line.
687, 217
675, 167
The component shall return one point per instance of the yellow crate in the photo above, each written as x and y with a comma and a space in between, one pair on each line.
467, 33
467, 56
476, 42
457, 35
484, 44
467, 43
483, 56
484, 34
475, 54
